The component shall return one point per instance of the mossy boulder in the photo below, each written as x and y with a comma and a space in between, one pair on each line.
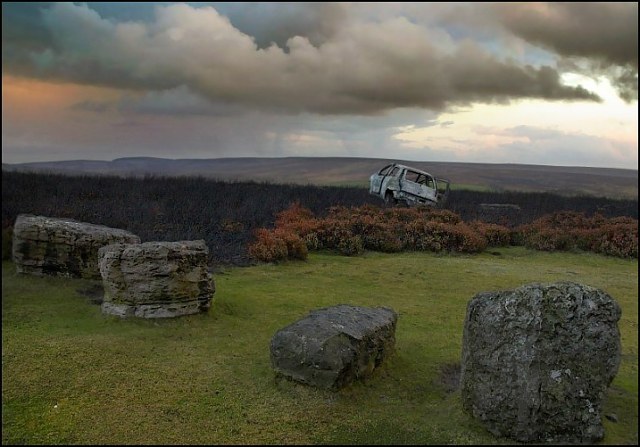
332, 347
537, 361
61, 247
156, 279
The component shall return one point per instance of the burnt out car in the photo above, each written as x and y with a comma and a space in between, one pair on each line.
396, 183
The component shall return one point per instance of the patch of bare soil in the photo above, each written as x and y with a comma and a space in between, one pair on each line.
94, 293
449, 377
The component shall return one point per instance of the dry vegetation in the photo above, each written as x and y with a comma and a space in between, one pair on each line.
227, 214
350, 231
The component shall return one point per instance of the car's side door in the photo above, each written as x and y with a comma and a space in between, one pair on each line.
429, 189
410, 183
419, 185
390, 183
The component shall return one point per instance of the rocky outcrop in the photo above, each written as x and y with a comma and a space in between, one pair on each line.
537, 361
334, 346
61, 247
156, 279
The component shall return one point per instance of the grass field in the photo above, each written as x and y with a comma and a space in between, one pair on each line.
73, 376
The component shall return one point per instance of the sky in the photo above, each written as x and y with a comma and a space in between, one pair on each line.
532, 83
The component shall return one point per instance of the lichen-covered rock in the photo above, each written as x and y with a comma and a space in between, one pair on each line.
61, 247
156, 279
332, 347
537, 361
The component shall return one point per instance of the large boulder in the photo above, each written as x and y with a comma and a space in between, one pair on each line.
156, 279
61, 247
537, 361
332, 347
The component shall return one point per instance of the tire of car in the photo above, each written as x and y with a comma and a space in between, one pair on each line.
388, 198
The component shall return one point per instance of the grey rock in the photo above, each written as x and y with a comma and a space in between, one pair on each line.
332, 347
61, 247
156, 279
537, 361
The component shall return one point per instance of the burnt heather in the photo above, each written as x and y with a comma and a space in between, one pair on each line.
226, 214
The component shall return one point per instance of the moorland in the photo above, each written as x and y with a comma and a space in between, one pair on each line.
72, 375
355, 171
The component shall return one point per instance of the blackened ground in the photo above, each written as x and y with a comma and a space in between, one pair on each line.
226, 214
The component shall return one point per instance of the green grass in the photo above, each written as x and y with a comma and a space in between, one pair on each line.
73, 376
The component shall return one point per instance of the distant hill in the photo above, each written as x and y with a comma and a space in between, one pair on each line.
605, 182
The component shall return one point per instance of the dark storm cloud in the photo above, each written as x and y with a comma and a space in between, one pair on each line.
21, 22
606, 34
179, 101
605, 31
22, 32
343, 66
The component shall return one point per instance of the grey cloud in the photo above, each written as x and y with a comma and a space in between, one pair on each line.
22, 32
606, 31
606, 34
365, 124
358, 68
179, 101
625, 80
266, 22
21, 22
595, 39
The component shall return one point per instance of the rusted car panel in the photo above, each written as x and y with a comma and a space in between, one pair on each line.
396, 183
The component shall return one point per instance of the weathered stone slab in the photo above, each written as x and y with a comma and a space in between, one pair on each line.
332, 347
61, 247
156, 279
537, 361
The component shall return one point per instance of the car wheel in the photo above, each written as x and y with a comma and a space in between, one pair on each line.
388, 199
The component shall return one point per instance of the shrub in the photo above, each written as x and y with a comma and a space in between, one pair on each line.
438, 236
332, 231
496, 235
467, 240
277, 245
617, 240
549, 239
268, 247
293, 215
312, 241
352, 230
296, 246
377, 233
443, 216
298, 220
569, 230
350, 246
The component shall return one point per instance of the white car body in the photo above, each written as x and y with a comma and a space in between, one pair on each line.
396, 183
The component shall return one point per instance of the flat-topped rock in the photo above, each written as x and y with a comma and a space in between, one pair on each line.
537, 361
156, 279
332, 347
62, 247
